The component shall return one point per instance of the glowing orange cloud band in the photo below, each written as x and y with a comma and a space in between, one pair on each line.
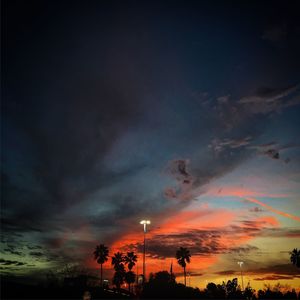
270, 208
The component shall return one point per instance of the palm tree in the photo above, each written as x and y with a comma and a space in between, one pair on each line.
118, 278
118, 262
130, 259
183, 257
129, 278
295, 257
101, 255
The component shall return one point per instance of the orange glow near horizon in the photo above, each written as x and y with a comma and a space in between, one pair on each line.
233, 233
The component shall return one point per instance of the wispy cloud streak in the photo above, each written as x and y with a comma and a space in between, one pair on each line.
272, 209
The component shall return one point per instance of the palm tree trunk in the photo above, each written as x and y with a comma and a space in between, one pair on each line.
101, 276
129, 287
184, 276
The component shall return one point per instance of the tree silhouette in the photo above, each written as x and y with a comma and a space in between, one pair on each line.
130, 259
183, 257
232, 289
129, 278
215, 291
118, 264
101, 255
295, 257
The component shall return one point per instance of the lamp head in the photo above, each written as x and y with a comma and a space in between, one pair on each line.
145, 222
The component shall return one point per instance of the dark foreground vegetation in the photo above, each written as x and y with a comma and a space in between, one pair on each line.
13, 290
72, 283
161, 285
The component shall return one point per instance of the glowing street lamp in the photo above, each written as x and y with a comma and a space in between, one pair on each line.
145, 223
240, 263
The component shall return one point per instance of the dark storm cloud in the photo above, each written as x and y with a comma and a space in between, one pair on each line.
199, 242
69, 140
208, 242
36, 254
13, 252
34, 247
61, 128
97, 106
6, 262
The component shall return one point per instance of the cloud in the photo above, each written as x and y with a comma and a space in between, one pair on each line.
248, 195
277, 269
256, 209
209, 242
226, 273
220, 145
36, 254
274, 150
34, 247
86, 142
223, 99
272, 209
276, 277
13, 252
178, 169
6, 262
270, 272
267, 100
195, 274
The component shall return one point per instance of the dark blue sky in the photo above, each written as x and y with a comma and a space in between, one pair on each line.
117, 110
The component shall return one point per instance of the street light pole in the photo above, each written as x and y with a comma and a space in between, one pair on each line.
240, 263
145, 223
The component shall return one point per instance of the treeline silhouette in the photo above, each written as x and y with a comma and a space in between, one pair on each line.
72, 282
161, 285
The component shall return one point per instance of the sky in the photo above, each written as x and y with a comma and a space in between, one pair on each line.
185, 113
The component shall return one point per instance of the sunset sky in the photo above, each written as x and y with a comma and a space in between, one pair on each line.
186, 113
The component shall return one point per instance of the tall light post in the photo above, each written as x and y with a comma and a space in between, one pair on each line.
144, 223
240, 263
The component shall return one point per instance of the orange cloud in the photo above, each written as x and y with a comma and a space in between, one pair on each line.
249, 196
206, 232
274, 210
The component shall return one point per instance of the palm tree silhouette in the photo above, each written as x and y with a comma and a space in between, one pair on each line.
183, 257
101, 255
118, 262
295, 257
130, 259
129, 278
